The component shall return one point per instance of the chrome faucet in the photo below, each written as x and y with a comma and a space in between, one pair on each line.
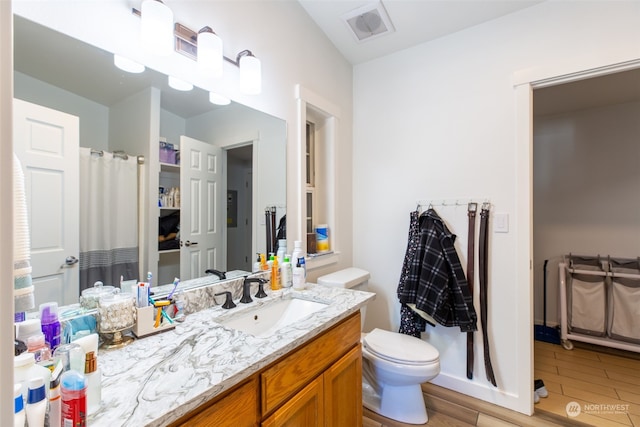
246, 289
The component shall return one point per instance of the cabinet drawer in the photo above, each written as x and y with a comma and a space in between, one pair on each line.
291, 373
237, 408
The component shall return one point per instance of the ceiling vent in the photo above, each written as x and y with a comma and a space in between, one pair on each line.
368, 22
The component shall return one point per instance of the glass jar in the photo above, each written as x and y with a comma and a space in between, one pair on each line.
90, 296
116, 312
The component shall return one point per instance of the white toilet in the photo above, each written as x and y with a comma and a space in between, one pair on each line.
393, 364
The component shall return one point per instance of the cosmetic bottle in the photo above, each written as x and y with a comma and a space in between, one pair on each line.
19, 415
263, 263
303, 264
275, 275
71, 356
36, 402
25, 368
257, 266
298, 277
286, 273
282, 248
297, 252
55, 402
73, 390
37, 346
50, 324
28, 328
94, 382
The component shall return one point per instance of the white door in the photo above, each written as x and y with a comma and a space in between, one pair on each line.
202, 212
46, 141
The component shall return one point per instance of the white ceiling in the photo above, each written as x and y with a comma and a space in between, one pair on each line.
419, 21
415, 22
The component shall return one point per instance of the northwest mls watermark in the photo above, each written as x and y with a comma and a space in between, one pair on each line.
574, 409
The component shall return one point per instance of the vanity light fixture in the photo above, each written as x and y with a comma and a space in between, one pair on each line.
209, 55
156, 27
250, 73
128, 65
179, 84
216, 98
205, 47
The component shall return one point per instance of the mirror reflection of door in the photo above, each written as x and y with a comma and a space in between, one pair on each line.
239, 213
202, 216
46, 142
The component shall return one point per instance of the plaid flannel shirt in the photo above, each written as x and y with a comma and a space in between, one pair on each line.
436, 283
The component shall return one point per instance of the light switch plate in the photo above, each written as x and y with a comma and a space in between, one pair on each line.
501, 222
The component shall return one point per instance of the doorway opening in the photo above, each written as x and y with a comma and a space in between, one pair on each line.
239, 178
586, 186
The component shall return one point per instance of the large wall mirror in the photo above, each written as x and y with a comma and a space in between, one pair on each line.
66, 75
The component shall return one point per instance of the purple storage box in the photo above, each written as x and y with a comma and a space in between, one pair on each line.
167, 153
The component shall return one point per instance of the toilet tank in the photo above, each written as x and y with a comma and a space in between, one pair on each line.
352, 278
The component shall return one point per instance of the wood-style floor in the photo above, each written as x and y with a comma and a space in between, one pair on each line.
593, 377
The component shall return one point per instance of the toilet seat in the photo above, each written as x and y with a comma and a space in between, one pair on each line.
400, 348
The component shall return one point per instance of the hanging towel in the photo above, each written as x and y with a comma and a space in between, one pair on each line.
22, 285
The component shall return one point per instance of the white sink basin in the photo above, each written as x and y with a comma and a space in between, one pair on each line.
267, 320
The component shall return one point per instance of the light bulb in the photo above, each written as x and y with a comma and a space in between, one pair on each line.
216, 98
250, 75
128, 65
179, 84
156, 27
209, 53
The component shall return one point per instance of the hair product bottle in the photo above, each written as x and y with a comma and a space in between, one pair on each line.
50, 324
275, 275
73, 389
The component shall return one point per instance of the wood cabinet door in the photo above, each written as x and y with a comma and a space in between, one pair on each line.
343, 391
237, 409
305, 409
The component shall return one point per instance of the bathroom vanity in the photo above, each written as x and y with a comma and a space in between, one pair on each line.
204, 373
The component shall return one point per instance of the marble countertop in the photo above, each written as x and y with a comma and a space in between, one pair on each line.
157, 379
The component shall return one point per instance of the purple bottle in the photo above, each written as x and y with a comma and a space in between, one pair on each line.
50, 324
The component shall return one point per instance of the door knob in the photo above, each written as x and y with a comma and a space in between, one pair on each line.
69, 261
189, 243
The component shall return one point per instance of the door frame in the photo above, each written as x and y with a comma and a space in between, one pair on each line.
524, 82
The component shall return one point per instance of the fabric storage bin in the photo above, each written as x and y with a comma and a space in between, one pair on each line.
587, 304
624, 317
167, 153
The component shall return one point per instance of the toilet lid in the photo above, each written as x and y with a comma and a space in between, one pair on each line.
398, 347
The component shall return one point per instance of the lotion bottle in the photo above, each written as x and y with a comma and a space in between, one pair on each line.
298, 277
36, 402
275, 275
19, 415
286, 273
297, 252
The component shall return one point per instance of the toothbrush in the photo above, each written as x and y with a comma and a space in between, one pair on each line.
176, 281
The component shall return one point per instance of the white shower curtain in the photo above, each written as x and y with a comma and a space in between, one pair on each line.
108, 218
